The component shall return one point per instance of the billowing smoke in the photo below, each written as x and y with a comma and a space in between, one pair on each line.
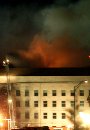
64, 39
73, 20
57, 35
59, 53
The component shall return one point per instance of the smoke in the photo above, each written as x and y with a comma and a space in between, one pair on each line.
73, 19
55, 54
56, 35
64, 37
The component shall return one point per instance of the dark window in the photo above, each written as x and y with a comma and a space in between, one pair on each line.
35, 92
35, 103
53, 103
44, 92
35, 115
54, 93
63, 93
72, 103
81, 92
81, 103
27, 103
26, 115
72, 92
54, 116
26, 92
89, 92
17, 103
63, 115
63, 103
44, 103
18, 93
44, 115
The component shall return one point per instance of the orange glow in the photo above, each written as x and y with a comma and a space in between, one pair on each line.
57, 53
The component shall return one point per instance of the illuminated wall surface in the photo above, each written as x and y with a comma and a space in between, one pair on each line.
44, 100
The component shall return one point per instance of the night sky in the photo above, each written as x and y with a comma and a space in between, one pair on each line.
50, 33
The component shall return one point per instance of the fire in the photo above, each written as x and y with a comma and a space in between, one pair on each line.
57, 53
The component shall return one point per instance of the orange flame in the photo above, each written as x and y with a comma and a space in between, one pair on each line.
58, 53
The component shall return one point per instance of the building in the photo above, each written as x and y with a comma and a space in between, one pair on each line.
44, 100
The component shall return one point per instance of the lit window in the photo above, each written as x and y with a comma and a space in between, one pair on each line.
63, 93
27, 115
54, 93
63, 115
27, 103
35, 103
18, 93
44, 115
17, 103
81, 103
72, 103
35, 92
26, 92
35, 115
72, 92
81, 92
44, 92
63, 103
53, 103
44, 103
54, 115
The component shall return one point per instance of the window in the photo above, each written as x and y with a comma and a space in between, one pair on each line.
44, 92
26, 92
53, 103
54, 116
89, 92
44, 103
35, 92
63, 115
35, 115
81, 103
81, 92
18, 115
44, 115
17, 92
72, 103
54, 93
27, 103
27, 115
17, 103
63, 103
63, 93
72, 92
35, 103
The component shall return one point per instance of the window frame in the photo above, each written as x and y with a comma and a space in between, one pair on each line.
36, 93
63, 92
54, 103
26, 92
54, 92
18, 92
27, 104
35, 103
45, 115
45, 103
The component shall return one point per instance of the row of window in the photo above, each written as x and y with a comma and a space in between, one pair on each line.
36, 115
54, 92
45, 103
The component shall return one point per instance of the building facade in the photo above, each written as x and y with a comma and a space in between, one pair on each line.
45, 100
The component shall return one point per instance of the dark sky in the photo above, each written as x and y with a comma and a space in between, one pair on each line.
50, 33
